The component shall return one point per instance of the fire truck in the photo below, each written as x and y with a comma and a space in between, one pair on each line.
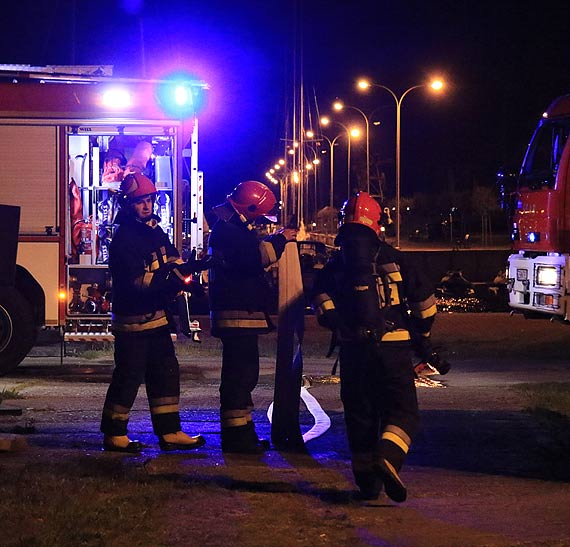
66, 136
538, 275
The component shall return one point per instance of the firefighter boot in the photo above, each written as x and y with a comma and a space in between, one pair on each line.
255, 439
365, 476
121, 443
393, 485
369, 483
239, 440
392, 450
180, 441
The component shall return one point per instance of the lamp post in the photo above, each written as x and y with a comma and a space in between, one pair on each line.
331, 146
311, 166
279, 174
436, 85
338, 106
350, 133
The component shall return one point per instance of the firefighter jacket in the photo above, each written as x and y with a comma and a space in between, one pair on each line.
369, 289
142, 262
239, 292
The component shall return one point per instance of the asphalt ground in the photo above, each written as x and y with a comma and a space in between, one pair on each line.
481, 472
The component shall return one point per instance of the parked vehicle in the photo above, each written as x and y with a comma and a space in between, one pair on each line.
539, 269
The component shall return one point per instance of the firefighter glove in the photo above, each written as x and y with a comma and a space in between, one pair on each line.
441, 365
193, 265
332, 320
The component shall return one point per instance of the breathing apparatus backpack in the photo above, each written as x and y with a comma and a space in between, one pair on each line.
357, 284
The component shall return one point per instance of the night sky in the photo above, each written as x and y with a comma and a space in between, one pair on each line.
504, 61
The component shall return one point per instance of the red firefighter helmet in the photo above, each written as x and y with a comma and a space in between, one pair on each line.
136, 185
363, 209
252, 199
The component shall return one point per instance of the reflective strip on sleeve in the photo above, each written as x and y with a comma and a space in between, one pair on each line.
324, 307
424, 309
268, 254
400, 335
322, 303
147, 279
139, 282
320, 298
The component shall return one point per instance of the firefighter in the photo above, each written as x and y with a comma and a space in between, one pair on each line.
239, 296
378, 307
147, 274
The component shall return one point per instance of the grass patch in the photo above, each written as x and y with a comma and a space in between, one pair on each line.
11, 393
549, 404
89, 503
550, 396
95, 354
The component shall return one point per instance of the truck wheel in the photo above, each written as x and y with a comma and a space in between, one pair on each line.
17, 329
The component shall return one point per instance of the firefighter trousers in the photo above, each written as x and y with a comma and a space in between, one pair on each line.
380, 402
240, 374
147, 357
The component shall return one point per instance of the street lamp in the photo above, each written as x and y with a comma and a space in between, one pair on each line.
435, 85
283, 176
311, 167
338, 106
331, 146
350, 134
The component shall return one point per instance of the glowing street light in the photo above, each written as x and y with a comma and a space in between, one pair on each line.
350, 133
436, 85
338, 106
331, 144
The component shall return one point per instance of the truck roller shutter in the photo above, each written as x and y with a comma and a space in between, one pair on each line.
28, 174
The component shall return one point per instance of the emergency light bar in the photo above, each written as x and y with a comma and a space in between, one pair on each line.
176, 97
117, 98
181, 95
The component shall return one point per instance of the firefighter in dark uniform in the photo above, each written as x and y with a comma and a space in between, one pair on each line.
379, 308
239, 296
147, 273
